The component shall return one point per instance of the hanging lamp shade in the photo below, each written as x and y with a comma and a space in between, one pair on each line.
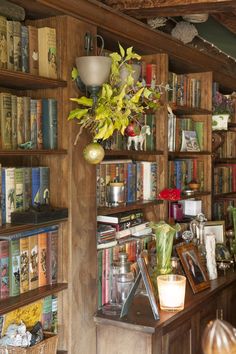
93, 70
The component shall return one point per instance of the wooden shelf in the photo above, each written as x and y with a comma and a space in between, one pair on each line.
231, 195
26, 81
14, 302
9, 229
227, 160
187, 154
195, 195
183, 110
32, 152
128, 206
62, 352
132, 152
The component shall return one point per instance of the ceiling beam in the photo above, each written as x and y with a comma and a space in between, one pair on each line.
147, 9
227, 19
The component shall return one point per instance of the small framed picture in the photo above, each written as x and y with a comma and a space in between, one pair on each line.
217, 228
193, 267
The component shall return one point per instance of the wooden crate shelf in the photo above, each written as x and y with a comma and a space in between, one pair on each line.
183, 110
127, 207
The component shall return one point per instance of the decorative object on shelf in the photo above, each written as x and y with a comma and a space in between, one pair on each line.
176, 267
193, 267
217, 227
171, 194
157, 22
125, 278
139, 139
219, 337
187, 236
93, 153
210, 241
116, 193
196, 18
194, 185
197, 228
171, 290
222, 109
222, 253
164, 243
118, 102
184, 31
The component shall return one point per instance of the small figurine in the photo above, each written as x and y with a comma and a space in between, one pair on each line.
139, 139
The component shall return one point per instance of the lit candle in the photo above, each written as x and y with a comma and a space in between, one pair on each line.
171, 289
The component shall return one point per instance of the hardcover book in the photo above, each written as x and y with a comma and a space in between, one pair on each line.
25, 49
33, 123
49, 124
35, 186
42, 252
33, 262
19, 187
39, 124
26, 110
14, 122
47, 313
14, 267
17, 45
8, 193
47, 52
6, 120
4, 269
189, 141
33, 50
3, 42
54, 327
10, 47
27, 187
44, 184
20, 121
52, 257
24, 264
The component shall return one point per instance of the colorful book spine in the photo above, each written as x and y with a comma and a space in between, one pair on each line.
42, 254
17, 45
33, 123
4, 269
20, 121
27, 187
150, 141
9, 192
47, 52
25, 49
54, 327
33, 262
35, 185
33, 50
44, 185
10, 46
14, 267
49, 124
131, 182
6, 120
26, 110
47, 313
39, 124
52, 257
24, 264
14, 122
3, 44
19, 187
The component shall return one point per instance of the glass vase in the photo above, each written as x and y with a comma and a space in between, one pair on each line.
164, 243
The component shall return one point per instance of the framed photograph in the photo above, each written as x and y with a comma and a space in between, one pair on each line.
217, 228
193, 267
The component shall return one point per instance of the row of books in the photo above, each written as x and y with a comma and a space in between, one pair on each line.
139, 178
27, 123
228, 148
44, 311
28, 49
221, 211
224, 179
183, 171
23, 187
185, 134
119, 141
28, 260
184, 90
109, 256
111, 229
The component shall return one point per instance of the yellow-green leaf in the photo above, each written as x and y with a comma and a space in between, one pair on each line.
85, 101
122, 51
115, 56
74, 73
136, 97
101, 132
77, 113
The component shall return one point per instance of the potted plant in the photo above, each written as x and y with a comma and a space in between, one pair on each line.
119, 101
222, 110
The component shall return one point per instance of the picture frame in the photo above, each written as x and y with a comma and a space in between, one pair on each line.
217, 228
193, 267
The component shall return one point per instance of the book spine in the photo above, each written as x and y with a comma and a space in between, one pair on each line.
44, 185
19, 183
42, 252
52, 257
3, 196
10, 48
20, 121
54, 327
35, 185
33, 123
39, 124
14, 122
25, 49
3, 33
4, 269
131, 179
33, 262
47, 52
49, 107
47, 313
26, 109
24, 264
9, 192
27, 187
6, 121
33, 50
17, 45
14, 267
153, 181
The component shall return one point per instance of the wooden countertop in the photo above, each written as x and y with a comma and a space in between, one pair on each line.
140, 317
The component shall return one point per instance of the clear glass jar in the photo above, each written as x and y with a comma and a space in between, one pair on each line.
125, 279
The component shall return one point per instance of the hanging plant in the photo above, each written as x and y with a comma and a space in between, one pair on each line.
120, 101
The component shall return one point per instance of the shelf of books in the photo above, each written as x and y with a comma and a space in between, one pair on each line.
186, 110
8, 229
127, 206
129, 153
32, 152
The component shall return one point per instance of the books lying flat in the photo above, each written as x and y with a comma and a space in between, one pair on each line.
131, 230
120, 217
101, 246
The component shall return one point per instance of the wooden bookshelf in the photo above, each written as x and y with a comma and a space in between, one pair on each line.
195, 195
14, 302
127, 207
132, 153
184, 110
187, 154
225, 160
32, 152
229, 196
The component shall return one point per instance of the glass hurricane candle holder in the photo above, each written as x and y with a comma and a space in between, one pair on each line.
171, 290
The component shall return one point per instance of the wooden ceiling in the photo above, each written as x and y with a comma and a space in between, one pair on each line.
224, 11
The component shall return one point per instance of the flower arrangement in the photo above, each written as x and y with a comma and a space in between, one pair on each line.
119, 101
222, 104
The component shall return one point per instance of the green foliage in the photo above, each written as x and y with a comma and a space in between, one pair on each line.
118, 102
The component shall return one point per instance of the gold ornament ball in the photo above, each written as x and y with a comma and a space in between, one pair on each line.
94, 153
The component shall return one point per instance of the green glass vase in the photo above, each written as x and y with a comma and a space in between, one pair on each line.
164, 243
